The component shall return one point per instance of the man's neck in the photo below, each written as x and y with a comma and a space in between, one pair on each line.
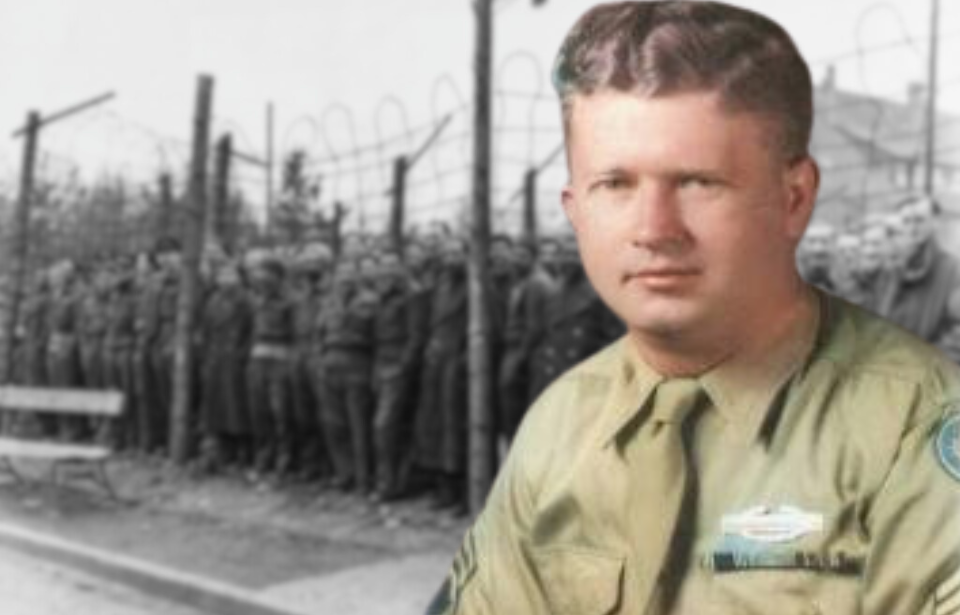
682, 355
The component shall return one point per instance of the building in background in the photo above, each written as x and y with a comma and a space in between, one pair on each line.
871, 154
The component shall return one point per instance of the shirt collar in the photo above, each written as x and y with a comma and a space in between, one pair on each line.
741, 389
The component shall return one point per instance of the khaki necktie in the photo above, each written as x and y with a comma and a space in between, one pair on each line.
664, 481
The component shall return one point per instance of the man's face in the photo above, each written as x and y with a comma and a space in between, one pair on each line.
685, 214
170, 260
873, 249
817, 247
227, 277
919, 223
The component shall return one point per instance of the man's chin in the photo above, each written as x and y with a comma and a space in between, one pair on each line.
661, 327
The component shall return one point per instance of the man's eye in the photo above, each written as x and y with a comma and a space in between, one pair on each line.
697, 181
611, 183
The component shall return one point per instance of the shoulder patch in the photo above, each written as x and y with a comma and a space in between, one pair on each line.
947, 444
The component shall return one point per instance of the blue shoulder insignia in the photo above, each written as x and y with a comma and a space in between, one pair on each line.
947, 444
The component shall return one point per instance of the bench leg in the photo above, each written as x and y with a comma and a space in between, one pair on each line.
104, 479
95, 471
7, 465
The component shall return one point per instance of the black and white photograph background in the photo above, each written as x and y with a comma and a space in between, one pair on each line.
238, 238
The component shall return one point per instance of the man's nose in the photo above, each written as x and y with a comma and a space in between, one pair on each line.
657, 218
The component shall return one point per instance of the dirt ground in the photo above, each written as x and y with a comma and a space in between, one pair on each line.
229, 527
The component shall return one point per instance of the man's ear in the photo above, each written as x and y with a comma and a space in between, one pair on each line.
569, 201
802, 185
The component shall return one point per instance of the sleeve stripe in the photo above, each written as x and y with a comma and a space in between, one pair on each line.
947, 607
948, 587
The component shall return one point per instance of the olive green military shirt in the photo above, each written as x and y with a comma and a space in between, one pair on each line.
827, 481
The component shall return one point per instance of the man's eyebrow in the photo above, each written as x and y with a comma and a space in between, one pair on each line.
606, 171
709, 172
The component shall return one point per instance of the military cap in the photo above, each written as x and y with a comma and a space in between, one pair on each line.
167, 244
345, 270
61, 271
389, 266
312, 257
820, 230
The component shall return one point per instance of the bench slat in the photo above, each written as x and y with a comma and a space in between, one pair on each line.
62, 400
51, 450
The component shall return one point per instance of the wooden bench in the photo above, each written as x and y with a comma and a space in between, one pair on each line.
85, 459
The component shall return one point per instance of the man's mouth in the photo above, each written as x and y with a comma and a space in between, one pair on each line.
661, 276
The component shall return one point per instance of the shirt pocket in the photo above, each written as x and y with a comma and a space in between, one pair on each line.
579, 580
793, 591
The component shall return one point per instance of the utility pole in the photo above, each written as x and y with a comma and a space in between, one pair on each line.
401, 168
269, 168
221, 190
16, 271
530, 208
529, 192
189, 276
15, 259
336, 236
481, 427
165, 215
399, 191
930, 156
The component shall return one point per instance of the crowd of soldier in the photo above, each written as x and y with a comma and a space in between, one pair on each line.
352, 371
893, 264
348, 371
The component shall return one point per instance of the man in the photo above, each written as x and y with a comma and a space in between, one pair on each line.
815, 255
399, 328
345, 331
441, 417
576, 323
915, 293
162, 353
92, 327
62, 355
874, 245
226, 326
306, 270
269, 367
844, 281
119, 345
753, 445
522, 330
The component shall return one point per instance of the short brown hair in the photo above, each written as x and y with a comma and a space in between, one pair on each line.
663, 48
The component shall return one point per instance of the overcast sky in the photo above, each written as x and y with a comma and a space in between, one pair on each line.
381, 59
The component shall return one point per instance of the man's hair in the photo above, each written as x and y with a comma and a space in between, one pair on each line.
654, 49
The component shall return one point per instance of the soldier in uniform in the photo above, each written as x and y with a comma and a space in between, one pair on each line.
163, 350
442, 406
92, 328
916, 292
526, 302
843, 270
226, 327
753, 445
345, 330
399, 330
874, 242
148, 281
30, 356
576, 322
269, 368
63, 360
815, 255
34, 322
307, 270
119, 347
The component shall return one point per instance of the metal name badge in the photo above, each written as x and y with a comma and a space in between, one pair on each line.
771, 524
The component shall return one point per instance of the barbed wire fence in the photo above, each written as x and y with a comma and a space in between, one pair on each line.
136, 195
